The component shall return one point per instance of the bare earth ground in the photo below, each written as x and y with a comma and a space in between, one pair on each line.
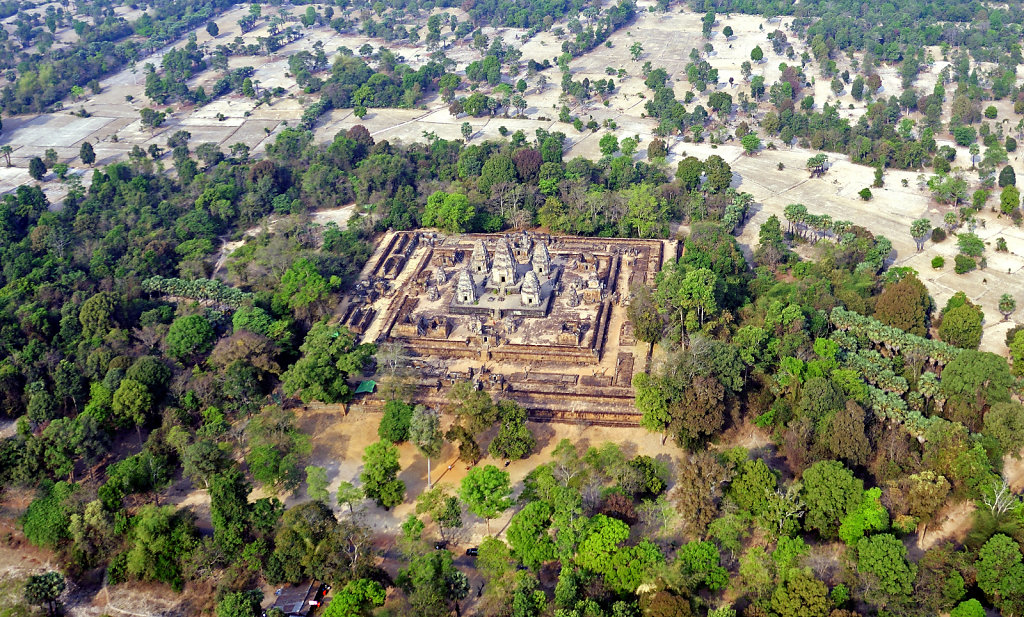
339, 441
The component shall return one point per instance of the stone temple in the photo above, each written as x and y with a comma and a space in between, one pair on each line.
537, 318
497, 284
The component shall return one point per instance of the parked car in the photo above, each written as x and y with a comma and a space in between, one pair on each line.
473, 551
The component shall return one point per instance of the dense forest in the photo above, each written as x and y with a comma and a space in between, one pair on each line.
126, 368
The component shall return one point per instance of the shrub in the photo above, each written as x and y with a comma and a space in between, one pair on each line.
938, 234
964, 264
938, 262
865, 194
990, 112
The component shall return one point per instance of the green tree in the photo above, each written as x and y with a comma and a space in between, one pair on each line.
698, 566
86, 153
486, 491
241, 603
961, 327
304, 290
1000, 571
316, 483
356, 599
528, 534
977, 376
636, 50
229, 509
884, 558
969, 608
920, 230
719, 173
869, 515
688, 172
349, 495
970, 244
276, 447
1007, 305
473, 408
189, 336
800, 595
623, 568
36, 168
498, 169
394, 424
329, 355
380, 475
609, 144
751, 143
433, 585
159, 541
750, 488
644, 210
449, 212
44, 589
1004, 422
756, 54
830, 491
212, 29
514, 439
46, 520
1007, 177
443, 508
425, 434
1009, 199
151, 119
132, 403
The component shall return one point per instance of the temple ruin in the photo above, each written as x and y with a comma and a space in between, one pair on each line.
539, 318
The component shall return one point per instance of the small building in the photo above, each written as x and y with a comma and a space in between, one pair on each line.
480, 263
503, 270
541, 260
300, 600
531, 289
465, 290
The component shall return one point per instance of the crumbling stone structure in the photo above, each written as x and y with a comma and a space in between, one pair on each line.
536, 317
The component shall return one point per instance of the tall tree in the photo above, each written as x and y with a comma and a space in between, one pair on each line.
920, 230
486, 491
44, 589
380, 474
425, 434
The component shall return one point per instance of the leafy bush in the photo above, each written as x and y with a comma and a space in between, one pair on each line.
47, 518
865, 194
938, 262
964, 264
938, 234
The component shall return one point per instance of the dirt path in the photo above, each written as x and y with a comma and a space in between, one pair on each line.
953, 525
339, 215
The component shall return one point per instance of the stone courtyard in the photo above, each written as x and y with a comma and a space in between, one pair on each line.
537, 318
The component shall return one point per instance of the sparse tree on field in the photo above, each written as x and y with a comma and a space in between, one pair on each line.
636, 50
1007, 305
920, 230
425, 433
86, 153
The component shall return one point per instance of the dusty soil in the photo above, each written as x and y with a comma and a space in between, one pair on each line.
339, 441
